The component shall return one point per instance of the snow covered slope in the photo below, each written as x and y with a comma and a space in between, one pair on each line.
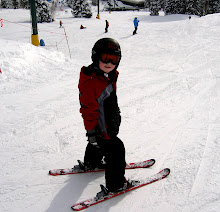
169, 95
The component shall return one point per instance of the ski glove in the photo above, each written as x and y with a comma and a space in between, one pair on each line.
91, 134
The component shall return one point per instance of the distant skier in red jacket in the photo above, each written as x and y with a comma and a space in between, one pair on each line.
101, 114
61, 24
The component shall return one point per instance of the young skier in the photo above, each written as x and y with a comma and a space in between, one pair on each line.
101, 114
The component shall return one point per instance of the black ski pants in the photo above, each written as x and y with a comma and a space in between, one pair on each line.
113, 152
135, 30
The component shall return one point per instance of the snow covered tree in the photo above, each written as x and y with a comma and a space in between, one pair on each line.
170, 7
4, 4
25, 4
213, 7
162, 4
191, 7
147, 4
180, 7
154, 7
16, 4
44, 11
10, 4
197, 7
80, 8
200, 7
95, 2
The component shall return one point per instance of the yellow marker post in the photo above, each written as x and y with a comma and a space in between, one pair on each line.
35, 40
34, 36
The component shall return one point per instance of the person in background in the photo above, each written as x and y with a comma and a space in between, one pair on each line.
82, 27
106, 26
136, 21
61, 23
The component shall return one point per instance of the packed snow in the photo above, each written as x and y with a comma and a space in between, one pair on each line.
169, 96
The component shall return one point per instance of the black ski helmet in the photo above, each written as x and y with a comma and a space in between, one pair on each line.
105, 45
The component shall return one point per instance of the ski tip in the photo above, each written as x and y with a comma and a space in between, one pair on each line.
153, 160
74, 208
52, 173
167, 170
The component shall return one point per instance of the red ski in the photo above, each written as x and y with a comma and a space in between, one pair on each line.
95, 200
76, 169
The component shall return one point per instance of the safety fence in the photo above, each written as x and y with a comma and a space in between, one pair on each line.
57, 43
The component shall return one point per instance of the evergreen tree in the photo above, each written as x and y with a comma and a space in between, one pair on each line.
44, 11
147, 4
154, 7
162, 4
25, 4
4, 4
200, 8
191, 7
196, 7
9, 4
170, 7
180, 7
205, 7
80, 8
214, 7
16, 4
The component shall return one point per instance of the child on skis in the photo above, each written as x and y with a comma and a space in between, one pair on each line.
101, 114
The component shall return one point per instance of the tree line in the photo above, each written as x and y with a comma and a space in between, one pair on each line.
45, 9
82, 8
190, 7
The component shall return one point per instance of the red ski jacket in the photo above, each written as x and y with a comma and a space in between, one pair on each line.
98, 100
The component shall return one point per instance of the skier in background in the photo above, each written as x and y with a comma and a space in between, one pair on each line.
106, 26
61, 23
82, 27
135, 25
101, 115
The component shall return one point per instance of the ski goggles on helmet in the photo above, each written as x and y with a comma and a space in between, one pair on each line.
109, 58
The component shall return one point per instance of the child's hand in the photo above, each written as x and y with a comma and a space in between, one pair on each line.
91, 134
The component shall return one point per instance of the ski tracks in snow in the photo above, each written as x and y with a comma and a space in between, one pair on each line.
175, 114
